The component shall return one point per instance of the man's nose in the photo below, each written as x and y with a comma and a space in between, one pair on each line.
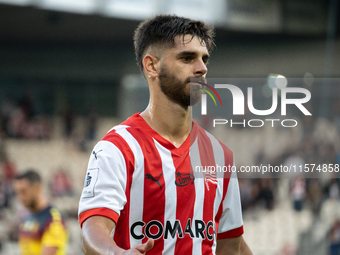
200, 68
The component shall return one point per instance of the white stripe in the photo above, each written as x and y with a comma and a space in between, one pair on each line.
117, 128
137, 184
169, 171
199, 199
220, 161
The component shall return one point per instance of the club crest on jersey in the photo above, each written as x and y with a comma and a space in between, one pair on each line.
184, 179
210, 177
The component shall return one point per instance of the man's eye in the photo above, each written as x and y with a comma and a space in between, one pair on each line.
186, 59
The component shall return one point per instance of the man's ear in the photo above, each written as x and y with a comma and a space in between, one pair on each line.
150, 64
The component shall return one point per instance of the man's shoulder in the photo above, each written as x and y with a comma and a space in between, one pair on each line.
55, 213
53, 225
124, 137
45, 217
116, 132
51, 213
207, 137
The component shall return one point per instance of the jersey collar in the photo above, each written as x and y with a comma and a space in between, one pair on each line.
184, 148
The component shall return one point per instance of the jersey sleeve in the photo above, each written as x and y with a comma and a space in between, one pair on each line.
55, 234
105, 182
231, 223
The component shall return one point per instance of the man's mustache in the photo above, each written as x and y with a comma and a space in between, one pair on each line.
197, 80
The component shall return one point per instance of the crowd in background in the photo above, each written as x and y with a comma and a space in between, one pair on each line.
19, 120
305, 193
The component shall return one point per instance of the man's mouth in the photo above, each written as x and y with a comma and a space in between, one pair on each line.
197, 82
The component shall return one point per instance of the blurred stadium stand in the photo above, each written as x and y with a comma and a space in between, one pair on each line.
69, 56
79, 54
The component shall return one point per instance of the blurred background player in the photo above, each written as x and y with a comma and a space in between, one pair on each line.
42, 231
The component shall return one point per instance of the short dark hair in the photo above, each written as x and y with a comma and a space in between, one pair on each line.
30, 175
162, 29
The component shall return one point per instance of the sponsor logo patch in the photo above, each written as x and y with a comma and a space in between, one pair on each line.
184, 179
90, 182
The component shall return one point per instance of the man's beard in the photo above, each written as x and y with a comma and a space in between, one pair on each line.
32, 204
179, 91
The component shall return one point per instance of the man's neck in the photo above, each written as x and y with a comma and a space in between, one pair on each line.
40, 206
169, 119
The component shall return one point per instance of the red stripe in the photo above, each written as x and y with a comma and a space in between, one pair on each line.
207, 159
154, 196
228, 158
98, 212
231, 233
185, 201
122, 235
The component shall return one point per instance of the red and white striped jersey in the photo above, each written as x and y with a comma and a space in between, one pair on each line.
151, 189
